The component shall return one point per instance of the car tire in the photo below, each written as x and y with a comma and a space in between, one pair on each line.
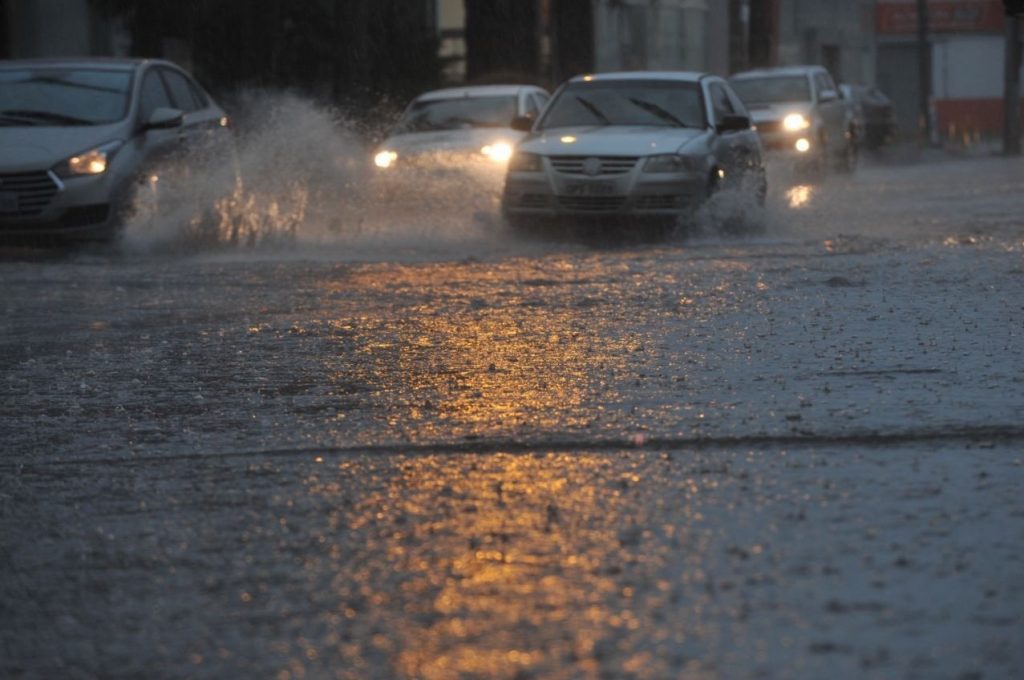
847, 162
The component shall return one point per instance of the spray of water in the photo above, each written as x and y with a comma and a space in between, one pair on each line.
297, 178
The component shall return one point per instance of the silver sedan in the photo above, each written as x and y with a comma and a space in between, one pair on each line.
78, 136
639, 146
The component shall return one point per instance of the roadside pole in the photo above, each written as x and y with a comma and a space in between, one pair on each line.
924, 72
1011, 92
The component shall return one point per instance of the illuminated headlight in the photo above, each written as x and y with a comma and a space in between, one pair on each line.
673, 163
795, 122
525, 162
498, 152
385, 159
802, 145
92, 162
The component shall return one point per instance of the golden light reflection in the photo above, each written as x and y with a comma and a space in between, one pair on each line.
488, 370
568, 139
501, 566
800, 196
506, 551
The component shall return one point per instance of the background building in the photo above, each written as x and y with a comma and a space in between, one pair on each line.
837, 34
58, 28
966, 47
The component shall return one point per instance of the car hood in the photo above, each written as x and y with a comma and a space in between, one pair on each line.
760, 113
611, 140
449, 140
25, 149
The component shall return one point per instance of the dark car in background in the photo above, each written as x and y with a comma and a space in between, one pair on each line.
77, 136
874, 112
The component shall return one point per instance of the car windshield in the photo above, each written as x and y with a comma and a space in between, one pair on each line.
773, 89
661, 103
62, 96
458, 114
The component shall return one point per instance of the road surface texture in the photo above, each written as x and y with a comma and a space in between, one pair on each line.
467, 454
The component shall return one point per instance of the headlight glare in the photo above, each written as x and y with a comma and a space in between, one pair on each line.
795, 122
385, 159
524, 162
498, 152
92, 162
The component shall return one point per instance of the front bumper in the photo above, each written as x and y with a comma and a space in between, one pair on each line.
40, 204
550, 194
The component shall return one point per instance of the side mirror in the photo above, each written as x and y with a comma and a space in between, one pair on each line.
733, 122
828, 96
522, 123
165, 119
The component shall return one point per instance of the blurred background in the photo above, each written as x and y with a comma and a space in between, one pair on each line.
943, 63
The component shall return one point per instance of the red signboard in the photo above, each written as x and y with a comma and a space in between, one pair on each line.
944, 16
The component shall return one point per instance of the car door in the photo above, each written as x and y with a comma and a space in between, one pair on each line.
199, 120
749, 150
154, 144
729, 147
832, 110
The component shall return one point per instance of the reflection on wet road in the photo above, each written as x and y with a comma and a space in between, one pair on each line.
729, 563
789, 454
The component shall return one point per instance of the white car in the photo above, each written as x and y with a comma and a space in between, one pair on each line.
800, 114
78, 135
647, 145
459, 125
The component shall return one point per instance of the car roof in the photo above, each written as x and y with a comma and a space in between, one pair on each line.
681, 76
471, 91
104, 63
778, 71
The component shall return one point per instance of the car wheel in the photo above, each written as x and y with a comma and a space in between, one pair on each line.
847, 162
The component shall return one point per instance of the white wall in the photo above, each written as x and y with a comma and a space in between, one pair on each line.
968, 67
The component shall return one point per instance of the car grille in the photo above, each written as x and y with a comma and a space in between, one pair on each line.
769, 126
660, 202
531, 201
33, 191
592, 203
610, 165
85, 215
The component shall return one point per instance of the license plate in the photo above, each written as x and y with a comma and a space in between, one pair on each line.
589, 188
8, 202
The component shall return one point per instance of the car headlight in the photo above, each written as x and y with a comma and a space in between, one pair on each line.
92, 162
795, 122
673, 163
385, 159
525, 162
498, 152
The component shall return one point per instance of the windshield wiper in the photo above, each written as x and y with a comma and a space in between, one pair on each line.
593, 109
41, 117
654, 109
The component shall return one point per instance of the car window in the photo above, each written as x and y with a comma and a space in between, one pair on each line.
737, 103
823, 82
181, 93
720, 102
539, 102
200, 96
459, 113
66, 96
152, 95
772, 89
662, 103
530, 107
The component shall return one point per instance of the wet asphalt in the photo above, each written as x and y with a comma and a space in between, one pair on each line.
457, 452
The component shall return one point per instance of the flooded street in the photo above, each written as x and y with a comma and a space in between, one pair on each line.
430, 448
